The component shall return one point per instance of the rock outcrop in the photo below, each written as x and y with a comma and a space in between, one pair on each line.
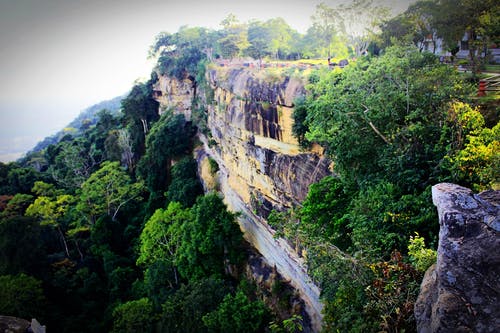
17, 325
261, 166
13, 325
461, 293
174, 94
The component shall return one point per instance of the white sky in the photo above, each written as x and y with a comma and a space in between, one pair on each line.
58, 57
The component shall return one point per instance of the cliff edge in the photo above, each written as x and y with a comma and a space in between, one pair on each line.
461, 292
260, 164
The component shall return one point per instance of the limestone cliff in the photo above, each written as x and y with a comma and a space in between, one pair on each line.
174, 94
461, 293
261, 166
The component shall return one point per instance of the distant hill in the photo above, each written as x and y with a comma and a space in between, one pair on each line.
87, 116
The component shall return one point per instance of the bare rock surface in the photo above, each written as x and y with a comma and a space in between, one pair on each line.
461, 293
13, 325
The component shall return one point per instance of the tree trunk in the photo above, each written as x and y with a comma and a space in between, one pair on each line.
64, 240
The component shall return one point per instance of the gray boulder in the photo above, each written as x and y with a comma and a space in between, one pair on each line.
461, 293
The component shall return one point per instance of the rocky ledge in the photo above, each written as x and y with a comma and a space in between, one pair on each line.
461, 293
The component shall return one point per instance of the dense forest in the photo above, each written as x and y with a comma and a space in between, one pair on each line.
109, 229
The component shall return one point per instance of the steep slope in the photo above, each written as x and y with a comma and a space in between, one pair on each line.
261, 166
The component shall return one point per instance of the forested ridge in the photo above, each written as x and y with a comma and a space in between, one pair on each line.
110, 229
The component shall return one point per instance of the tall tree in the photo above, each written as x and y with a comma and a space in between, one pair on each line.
140, 111
21, 296
106, 191
212, 242
169, 138
326, 27
52, 208
162, 236
476, 20
235, 37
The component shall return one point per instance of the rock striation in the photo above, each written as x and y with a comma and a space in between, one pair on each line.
461, 292
261, 166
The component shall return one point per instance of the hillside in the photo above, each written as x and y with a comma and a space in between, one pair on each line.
87, 117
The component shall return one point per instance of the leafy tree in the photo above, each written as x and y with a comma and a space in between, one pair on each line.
140, 111
20, 179
380, 118
280, 34
16, 205
474, 162
237, 314
169, 138
162, 235
258, 39
184, 310
234, 39
326, 26
21, 296
74, 162
211, 242
159, 281
51, 208
323, 213
185, 186
477, 19
21, 248
106, 191
414, 25
133, 316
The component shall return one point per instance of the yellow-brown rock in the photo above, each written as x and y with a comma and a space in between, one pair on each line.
174, 94
261, 166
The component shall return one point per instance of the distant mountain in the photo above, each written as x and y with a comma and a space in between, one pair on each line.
87, 117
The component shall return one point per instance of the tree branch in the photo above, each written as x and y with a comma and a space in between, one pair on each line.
374, 128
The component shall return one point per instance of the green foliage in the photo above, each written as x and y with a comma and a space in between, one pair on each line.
211, 242
16, 205
180, 53
16, 179
133, 317
20, 246
299, 127
234, 39
476, 162
393, 127
140, 111
73, 162
290, 325
162, 234
21, 296
323, 212
380, 118
185, 186
214, 166
421, 257
237, 314
106, 191
169, 138
183, 311
343, 280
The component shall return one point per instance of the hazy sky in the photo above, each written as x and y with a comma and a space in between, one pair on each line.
58, 57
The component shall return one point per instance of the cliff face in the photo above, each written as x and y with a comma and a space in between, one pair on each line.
174, 94
261, 165
251, 124
461, 293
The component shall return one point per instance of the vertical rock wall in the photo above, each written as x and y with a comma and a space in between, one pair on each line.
461, 293
261, 165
